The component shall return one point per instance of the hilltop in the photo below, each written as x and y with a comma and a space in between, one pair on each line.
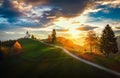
38, 60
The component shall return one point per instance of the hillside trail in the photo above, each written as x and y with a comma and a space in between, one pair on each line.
85, 61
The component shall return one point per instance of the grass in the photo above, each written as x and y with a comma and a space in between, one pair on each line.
41, 61
108, 62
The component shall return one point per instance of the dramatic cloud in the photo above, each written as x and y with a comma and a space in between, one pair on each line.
86, 28
45, 11
117, 27
71, 8
8, 10
35, 2
62, 30
117, 32
66, 8
110, 3
62, 15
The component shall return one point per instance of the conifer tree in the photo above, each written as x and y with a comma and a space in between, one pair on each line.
53, 35
108, 42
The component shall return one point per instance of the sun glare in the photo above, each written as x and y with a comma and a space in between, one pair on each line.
73, 32
71, 24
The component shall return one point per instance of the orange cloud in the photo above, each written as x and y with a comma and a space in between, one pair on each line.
21, 6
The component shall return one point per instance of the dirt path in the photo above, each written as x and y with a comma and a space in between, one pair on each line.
85, 61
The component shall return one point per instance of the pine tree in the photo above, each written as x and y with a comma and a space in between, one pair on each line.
53, 35
33, 37
108, 42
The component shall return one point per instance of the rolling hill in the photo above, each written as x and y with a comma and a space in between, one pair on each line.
38, 60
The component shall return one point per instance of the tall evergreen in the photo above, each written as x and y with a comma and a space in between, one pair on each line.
53, 35
108, 42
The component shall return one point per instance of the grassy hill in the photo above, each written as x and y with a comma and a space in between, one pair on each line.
41, 61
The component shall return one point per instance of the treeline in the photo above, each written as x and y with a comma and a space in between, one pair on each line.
106, 43
8, 43
9, 48
52, 37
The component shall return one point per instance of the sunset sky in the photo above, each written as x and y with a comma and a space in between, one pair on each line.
71, 18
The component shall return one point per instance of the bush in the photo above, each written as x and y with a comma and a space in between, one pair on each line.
4, 52
17, 49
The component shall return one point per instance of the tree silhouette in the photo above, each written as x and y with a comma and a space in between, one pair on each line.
91, 39
33, 37
108, 42
53, 35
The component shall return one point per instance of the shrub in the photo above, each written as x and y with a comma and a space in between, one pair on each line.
4, 52
17, 49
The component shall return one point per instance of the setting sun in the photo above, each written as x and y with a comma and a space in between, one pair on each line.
70, 24
73, 32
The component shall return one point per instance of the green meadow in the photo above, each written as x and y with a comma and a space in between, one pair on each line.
38, 60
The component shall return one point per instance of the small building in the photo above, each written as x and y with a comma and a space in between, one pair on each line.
27, 35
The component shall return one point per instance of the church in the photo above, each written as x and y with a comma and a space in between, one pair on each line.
27, 35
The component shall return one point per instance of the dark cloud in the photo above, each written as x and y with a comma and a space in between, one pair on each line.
117, 27
65, 8
7, 10
54, 12
69, 8
62, 30
117, 32
35, 2
86, 28
3, 26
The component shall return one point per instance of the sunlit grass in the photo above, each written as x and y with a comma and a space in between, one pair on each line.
41, 61
108, 62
